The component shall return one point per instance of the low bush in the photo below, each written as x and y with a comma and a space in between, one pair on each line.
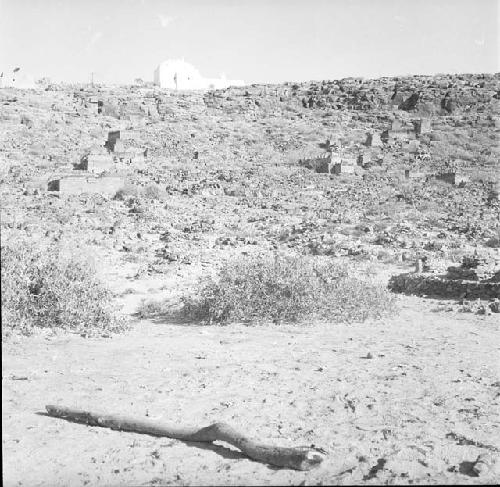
153, 192
45, 288
129, 191
286, 289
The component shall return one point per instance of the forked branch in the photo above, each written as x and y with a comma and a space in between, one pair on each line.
298, 458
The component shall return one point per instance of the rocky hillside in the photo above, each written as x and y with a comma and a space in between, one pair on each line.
417, 163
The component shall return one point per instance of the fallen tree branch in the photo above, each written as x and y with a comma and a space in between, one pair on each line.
299, 458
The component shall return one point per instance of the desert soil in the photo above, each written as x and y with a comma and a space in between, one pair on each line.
420, 410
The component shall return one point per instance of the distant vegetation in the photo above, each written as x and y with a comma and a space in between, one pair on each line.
286, 289
43, 288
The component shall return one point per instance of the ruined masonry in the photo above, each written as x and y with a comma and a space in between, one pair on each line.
84, 183
476, 278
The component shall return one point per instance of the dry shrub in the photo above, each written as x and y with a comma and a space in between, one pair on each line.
127, 192
153, 192
45, 288
286, 289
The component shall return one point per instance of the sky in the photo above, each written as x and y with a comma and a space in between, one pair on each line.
267, 41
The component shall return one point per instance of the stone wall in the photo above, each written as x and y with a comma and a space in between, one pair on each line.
97, 163
74, 185
410, 174
342, 168
476, 278
330, 164
119, 135
423, 126
453, 178
319, 164
440, 287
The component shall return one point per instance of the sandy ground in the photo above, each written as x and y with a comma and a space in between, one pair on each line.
420, 411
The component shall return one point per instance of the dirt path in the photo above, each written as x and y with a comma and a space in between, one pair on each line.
424, 406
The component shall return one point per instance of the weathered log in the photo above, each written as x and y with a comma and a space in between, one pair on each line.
298, 458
